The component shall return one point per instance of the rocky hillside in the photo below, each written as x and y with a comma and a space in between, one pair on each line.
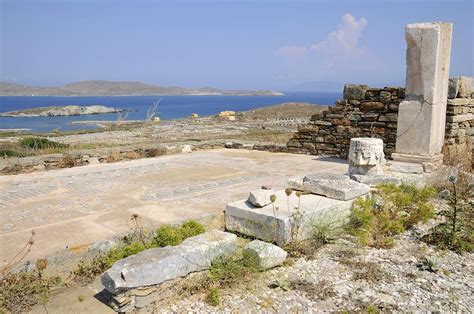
110, 88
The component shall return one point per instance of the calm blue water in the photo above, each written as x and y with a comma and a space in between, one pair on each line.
170, 107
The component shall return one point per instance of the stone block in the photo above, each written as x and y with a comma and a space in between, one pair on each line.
355, 92
260, 198
280, 225
405, 167
155, 266
339, 187
265, 254
460, 87
374, 180
366, 156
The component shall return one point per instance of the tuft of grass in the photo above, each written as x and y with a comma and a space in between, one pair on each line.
227, 272
6, 153
174, 235
213, 297
391, 211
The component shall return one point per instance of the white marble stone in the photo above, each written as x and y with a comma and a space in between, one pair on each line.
366, 156
265, 254
422, 115
260, 198
278, 224
155, 266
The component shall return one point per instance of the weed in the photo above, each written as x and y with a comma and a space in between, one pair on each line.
213, 297
227, 272
20, 291
368, 271
391, 210
174, 235
81, 298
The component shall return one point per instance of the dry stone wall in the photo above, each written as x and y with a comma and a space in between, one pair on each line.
363, 112
373, 112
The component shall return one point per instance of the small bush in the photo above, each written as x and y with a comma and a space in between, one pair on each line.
6, 153
392, 210
20, 291
40, 143
213, 297
174, 235
457, 231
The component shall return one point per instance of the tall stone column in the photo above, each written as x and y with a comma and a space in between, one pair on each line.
422, 115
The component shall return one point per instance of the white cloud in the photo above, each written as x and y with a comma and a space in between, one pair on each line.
343, 41
292, 51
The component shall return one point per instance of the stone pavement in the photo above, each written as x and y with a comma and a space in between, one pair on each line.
70, 208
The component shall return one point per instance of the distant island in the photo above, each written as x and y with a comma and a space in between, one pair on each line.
60, 111
111, 88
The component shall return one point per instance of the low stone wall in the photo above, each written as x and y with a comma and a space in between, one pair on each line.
458, 146
373, 112
363, 112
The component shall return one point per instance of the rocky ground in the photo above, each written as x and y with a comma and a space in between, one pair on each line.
343, 276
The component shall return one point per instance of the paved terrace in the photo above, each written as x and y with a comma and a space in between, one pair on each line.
73, 207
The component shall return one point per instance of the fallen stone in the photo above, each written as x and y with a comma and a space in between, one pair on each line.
260, 198
374, 180
265, 254
339, 187
228, 145
405, 167
289, 219
155, 266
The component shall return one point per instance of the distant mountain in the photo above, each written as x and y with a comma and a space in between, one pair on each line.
318, 86
110, 88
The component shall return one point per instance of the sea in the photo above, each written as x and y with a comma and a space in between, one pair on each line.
170, 107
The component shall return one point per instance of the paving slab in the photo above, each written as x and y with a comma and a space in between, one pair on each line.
75, 207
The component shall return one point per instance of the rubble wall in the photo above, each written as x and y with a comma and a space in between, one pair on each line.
373, 112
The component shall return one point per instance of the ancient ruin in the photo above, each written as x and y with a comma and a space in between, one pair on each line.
422, 115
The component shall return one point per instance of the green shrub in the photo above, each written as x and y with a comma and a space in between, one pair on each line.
213, 297
174, 235
391, 210
40, 143
456, 232
191, 228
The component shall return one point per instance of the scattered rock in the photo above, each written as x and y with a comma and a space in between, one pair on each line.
260, 198
265, 254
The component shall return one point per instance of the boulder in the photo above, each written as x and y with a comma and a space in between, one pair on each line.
260, 198
265, 254
155, 266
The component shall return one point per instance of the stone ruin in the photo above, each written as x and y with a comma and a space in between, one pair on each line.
366, 125
432, 116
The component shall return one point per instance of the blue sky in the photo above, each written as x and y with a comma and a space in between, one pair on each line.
227, 44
